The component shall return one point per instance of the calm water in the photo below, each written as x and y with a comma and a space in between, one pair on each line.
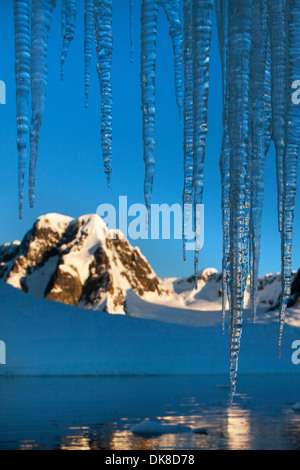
98, 413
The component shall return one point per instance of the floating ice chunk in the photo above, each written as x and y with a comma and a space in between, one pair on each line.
154, 427
296, 407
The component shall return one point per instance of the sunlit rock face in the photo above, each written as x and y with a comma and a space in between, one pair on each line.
78, 262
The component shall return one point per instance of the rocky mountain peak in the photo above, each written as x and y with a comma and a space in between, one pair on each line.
78, 262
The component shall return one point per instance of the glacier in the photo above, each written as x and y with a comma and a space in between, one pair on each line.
259, 43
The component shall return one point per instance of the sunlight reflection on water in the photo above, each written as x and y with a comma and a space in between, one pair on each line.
98, 413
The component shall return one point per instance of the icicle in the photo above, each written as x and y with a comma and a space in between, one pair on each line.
278, 50
225, 182
68, 29
41, 21
88, 45
259, 42
104, 47
172, 11
63, 17
291, 150
22, 70
202, 28
221, 13
239, 40
187, 197
131, 29
148, 62
260, 131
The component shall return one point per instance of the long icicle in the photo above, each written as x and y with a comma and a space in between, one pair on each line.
172, 11
41, 21
22, 71
104, 47
260, 130
239, 31
221, 13
68, 29
88, 45
63, 17
202, 29
187, 197
148, 65
278, 32
291, 151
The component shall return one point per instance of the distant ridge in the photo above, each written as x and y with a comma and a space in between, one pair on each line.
81, 262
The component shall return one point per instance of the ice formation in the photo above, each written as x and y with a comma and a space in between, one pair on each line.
40, 28
104, 46
22, 72
68, 20
88, 45
259, 42
149, 17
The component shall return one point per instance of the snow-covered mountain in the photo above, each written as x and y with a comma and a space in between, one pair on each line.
210, 290
78, 262
81, 262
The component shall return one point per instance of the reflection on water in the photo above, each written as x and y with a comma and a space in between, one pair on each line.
98, 413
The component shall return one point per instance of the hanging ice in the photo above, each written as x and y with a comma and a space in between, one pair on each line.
40, 27
222, 20
88, 45
202, 28
188, 140
148, 66
104, 47
172, 11
260, 133
148, 63
291, 151
197, 37
277, 19
239, 40
68, 14
259, 42
22, 71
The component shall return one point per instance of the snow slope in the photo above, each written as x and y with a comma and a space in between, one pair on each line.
48, 338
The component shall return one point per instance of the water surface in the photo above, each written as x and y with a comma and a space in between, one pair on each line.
98, 413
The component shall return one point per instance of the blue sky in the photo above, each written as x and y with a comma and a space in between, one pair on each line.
70, 176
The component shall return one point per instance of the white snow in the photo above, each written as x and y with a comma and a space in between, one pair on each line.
58, 221
49, 338
38, 280
92, 230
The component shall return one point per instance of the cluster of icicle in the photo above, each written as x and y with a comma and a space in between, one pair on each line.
258, 41
33, 20
259, 44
